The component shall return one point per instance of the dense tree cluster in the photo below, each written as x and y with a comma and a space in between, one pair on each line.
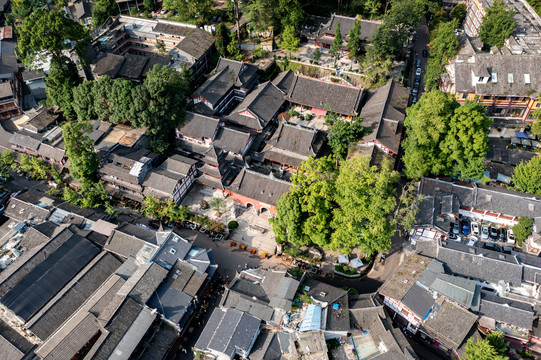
338, 207
445, 138
497, 25
102, 10
159, 102
344, 133
189, 10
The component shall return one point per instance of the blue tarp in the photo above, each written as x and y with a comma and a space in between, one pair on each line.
521, 135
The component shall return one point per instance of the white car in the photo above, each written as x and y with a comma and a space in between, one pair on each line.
418, 71
473, 240
475, 228
163, 11
510, 237
484, 232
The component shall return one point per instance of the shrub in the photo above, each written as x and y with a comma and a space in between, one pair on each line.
233, 225
307, 117
523, 229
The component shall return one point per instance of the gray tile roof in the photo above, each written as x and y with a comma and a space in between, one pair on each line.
133, 66
507, 311
368, 27
199, 126
172, 29
196, 43
384, 114
24, 139
264, 188
480, 263
154, 59
244, 74
419, 300
117, 327
505, 66
316, 93
128, 239
81, 9
42, 283
147, 284
65, 306
231, 139
450, 323
263, 103
482, 197
293, 144
41, 121
174, 304
464, 291
52, 152
6, 89
217, 86
398, 285
8, 350
284, 80
228, 330
109, 64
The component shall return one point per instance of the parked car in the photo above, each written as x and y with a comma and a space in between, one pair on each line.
510, 236
382, 258
163, 11
417, 81
475, 228
418, 64
484, 232
473, 240
414, 101
425, 53
465, 227
415, 91
507, 250
493, 233
456, 228
491, 246
503, 235
418, 71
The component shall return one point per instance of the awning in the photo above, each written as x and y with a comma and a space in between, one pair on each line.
356, 263
343, 259
317, 111
521, 135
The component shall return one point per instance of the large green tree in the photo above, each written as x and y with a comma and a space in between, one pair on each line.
63, 77
83, 161
200, 9
102, 10
344, 133
261, 13
364, 199
337, 42
527, 176
427, 124
354, 39
466, 142
290, 13
290, 40
497, 25
523, 229
45, 33
23, 8
459, 13
482, 350
443, 47
338, 207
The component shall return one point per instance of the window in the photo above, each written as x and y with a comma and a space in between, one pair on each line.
481, 79
527, 79
494, 77
510, 78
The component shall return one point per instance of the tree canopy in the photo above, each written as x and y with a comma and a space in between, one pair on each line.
337, 42
200, 9
102, 10
459, 13
482, 350
523, 229
62, 79
527, 176
497, 25
338, 207
222, 39
427, 123
443, 47
344, 133
354, 39
466, 142
289, 41
83, 161
48, 33
159, 102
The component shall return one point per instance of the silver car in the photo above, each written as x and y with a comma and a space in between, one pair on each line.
484, 232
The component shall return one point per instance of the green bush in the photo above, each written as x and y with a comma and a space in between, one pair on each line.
259, 53
523, 229
233, 225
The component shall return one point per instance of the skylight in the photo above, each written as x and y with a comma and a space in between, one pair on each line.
510, 78
494, 77
527, 79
